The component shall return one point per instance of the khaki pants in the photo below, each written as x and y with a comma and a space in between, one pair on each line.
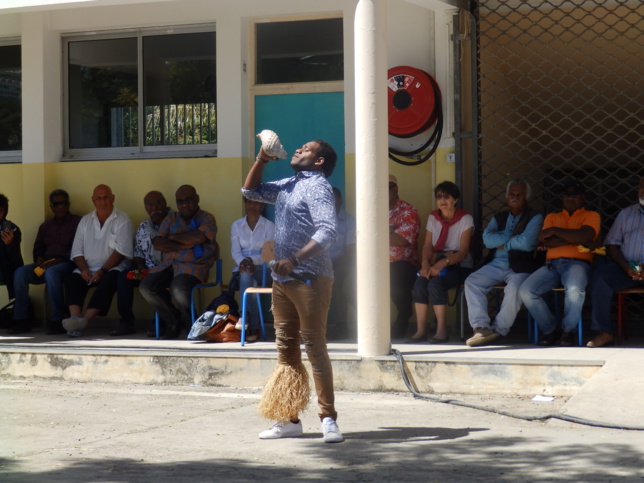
300, 312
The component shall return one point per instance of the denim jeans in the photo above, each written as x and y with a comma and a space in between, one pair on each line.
605, 282
574, 276
300, 311
160, 289
477, 287
53, 278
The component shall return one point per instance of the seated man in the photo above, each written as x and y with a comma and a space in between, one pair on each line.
625, 246
101, 249
404, 225
565, 265
343, 256
10, 256
145, 258
51, 265
511, 237
187, 240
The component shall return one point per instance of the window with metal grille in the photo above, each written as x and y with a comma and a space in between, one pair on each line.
151, 93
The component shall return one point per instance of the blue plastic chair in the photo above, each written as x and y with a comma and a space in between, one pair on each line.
533, 323
257, 291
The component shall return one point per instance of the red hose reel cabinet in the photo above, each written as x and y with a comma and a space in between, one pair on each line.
414, 101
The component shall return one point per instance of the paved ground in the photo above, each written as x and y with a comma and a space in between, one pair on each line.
68, 431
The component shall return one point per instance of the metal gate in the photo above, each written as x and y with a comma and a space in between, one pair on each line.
559, 92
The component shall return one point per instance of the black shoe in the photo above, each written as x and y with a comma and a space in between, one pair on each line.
550, 339
55, 327
123, 330
567, 339
20, 327
416, 340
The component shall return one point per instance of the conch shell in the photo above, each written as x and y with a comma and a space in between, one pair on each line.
271, 144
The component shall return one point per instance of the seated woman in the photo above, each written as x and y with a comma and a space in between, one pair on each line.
446, 261
247, 237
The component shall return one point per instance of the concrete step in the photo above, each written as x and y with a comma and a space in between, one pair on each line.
452, 368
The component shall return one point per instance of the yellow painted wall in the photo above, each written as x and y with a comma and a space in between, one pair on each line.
217, 180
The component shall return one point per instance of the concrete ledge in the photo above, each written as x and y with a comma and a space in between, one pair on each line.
251, 369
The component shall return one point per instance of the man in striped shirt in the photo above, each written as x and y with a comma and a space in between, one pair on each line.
625, 246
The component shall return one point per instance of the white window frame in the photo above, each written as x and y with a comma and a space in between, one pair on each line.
133, 152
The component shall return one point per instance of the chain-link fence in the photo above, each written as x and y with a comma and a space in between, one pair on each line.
560, 94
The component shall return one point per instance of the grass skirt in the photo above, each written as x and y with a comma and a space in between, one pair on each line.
286, 393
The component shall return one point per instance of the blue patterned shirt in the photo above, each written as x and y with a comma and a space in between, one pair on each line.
304, 211
143, 243
627, 232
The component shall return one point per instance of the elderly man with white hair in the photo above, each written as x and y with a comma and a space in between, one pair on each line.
511, 237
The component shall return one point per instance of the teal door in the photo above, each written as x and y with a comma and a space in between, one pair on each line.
297, 119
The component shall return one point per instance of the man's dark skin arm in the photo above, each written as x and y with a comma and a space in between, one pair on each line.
254, 177
396, 240
179, 241
284, 267
557, 237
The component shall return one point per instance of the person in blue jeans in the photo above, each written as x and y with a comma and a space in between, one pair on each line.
511, 237
52, 264
625, 246
565, 266
247, 237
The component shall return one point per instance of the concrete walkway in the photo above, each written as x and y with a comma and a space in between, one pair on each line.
65, 431
604, 384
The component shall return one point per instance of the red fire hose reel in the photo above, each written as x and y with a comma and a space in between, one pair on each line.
414, 105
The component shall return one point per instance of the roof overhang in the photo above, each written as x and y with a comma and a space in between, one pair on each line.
441, 4
21, 6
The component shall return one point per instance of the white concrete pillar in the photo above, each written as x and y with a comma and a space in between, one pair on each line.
372, 202
41, 90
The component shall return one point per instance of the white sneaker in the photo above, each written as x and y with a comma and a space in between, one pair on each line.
330, 431
73, 324
283, 429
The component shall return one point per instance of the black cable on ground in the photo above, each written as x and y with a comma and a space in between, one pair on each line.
456, 402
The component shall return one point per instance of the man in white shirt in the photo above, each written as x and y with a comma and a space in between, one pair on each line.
102, 246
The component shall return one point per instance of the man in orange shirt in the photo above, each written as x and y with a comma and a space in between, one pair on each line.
565, 265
